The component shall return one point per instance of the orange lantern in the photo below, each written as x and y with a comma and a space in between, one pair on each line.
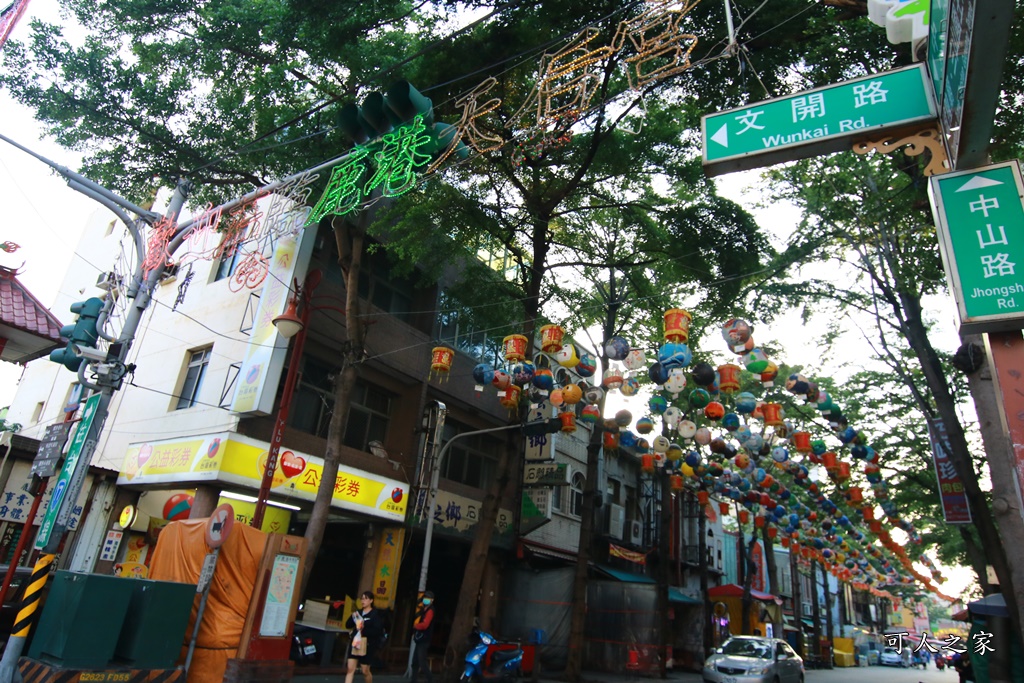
551, 338
767, 482
510, 397
759, 521
844, 471
773, 531
744, 516
676, 482
514, 347
875, 526
772, 414
611, 441
785, 541
855, 494
571, 394
568, 421
677, 325
702, 497
441, 360
647, 463
728, 378
723, 507
869, 513
829, 461
801, 442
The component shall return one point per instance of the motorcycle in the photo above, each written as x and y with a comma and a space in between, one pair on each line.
505, 664
303, 647
940, 662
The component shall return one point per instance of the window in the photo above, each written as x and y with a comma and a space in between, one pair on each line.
470, 460
197, 362
227, 265
314, 399
576, 487
37, 412
385, 290
368, 415
556, 497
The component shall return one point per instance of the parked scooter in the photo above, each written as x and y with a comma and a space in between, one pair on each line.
504, 666
940, 662
303, 649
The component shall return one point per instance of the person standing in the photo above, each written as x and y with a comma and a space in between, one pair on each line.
422, 632
367, 627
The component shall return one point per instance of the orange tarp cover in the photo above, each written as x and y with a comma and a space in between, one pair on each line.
179, 556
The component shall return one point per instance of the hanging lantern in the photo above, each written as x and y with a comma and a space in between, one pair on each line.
769, 374
676, 381
674, 452
514, 347
593, 394
612, 378
714, 411
674, 355
616, 348
676, 482
728, 378
630, 386
441, 359
590, 414
724, 507
567, 356
677, 325
687, 429
759, 521
829, 460
855, 495
801, 442
773, 531
556, 398
551, 338
568, 421
756, 361
702, 497
510, 397
587, 366
482, 374
773, 414
843, 472
571, 394
744, 516
647, 463
869, 513
645, 425
635, 359
610, 441
784, 541
736, 333
543, 379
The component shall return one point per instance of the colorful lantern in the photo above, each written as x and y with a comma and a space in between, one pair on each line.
593, 394
567, 356
671, 418
658, 373
676, 381
610, 441
801, 442
728, 378
658, 404
630, 386
571, 394
587, 366
660, 444
699, 398
510, 397
501, 380
703, 374
543, 379
702, 436
514, 347
674, 452
556, 398
635, 360
551, 338
441, 359
483, 374
645, 425
623, 418
522, 372
769, 374
677, 325
736, 332
675, 482
702, 497
568, 421
590, 414
647, 463
745, 402
687, 429
612, 378
674, 355
773, 414
616, 348
714, 411
756, 361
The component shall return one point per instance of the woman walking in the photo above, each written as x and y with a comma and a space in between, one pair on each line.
367, 627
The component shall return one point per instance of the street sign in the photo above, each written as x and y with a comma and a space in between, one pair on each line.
219, 526
546, 474
50, 450
818, 121
955, 508
64, 489
206, 573
979, 216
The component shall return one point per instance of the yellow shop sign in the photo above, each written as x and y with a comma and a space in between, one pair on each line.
230, 458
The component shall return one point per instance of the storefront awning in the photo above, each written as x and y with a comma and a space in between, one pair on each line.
620, 575
732, 590
678, 596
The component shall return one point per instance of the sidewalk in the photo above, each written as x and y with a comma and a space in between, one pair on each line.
336, 675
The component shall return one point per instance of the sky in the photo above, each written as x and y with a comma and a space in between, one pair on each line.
45, 217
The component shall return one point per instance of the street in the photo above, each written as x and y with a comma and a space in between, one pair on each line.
882, 674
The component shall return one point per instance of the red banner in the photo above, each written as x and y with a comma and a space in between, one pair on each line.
10, 12
951, 489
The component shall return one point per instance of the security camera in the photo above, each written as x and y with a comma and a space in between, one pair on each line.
88, 353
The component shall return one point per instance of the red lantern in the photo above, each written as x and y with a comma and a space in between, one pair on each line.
441, 359
714, 411
744, 516
551, 338
829, 461
728, 378
785, 541
677, 325
702, 497
875, 526
514, 347
611, 441
773, 531
568, 421
869, 513
759, 521
772, 414
647, 463
801, 442
843, 472
676, 482
723, 507
855, 494
510, 397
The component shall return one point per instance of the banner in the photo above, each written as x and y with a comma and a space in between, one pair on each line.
951, 489
628, 555
389, 557
10, 12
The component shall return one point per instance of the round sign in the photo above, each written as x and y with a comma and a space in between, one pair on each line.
219, 526
128, 516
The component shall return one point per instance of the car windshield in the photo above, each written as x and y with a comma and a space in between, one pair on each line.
747, 647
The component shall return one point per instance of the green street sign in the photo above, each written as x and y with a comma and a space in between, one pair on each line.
813, 122
62, 489
979, 215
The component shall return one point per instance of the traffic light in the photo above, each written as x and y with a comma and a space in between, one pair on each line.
399, 105
82, 333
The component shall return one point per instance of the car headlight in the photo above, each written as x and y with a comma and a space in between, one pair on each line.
759, 668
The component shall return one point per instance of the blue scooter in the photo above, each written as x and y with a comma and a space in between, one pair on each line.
505, 663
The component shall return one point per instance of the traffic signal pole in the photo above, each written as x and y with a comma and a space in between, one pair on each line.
111, 371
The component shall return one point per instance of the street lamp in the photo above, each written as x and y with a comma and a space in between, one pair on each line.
292, 324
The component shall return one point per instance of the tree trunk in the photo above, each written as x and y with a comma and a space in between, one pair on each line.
465, 610
815, 647
798, 606
829, 632
773, 580
702, 559
352, 236
665, 544
748, 579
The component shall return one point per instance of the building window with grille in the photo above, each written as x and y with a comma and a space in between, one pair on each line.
194, 373
576, 487
368, 415
470, 460
314, 398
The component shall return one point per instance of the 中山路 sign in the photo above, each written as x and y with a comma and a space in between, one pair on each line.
229, 458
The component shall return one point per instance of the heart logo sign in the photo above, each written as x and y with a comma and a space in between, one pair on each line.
292, 465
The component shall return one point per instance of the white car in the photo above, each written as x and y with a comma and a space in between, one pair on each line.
752, 659
890, 657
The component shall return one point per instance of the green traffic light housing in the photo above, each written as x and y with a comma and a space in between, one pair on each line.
381, 113
83, 333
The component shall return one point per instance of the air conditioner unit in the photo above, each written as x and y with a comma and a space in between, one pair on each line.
107, 281
616, 521
806, 609
636, 532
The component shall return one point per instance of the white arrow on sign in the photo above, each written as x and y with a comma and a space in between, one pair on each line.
977, 182
722, 135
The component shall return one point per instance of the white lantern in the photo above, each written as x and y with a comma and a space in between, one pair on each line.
687, 429
676, 382
671, 417
660, 444
635, 360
